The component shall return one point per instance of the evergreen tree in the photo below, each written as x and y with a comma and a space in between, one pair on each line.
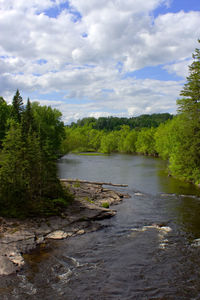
28, 121
17, 107
12, 172
185, 161
190, 103
28, 175
4, 115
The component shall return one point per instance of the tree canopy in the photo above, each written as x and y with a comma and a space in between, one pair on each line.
115, 123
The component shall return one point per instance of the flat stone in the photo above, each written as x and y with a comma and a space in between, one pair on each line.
16, 237
58, 235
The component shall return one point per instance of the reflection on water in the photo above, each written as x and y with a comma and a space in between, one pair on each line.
187, 210
145, 174
145, 252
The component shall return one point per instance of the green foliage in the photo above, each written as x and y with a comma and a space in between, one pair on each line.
105, 205
125, 129
146, 142
127, 140
81, 139
109, 142
76, 140
185, 160
50, 128
168, 136
97, 135
88, 200
94, 139
129, 144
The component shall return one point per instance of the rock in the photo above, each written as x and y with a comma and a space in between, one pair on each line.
138, 194
165, 229
40, 240
17, 237
6, 266
58, 235
81, 231
16, 258
196, 243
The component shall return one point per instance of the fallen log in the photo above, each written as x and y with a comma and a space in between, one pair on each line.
93, 182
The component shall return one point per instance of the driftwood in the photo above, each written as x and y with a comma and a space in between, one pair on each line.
93, 182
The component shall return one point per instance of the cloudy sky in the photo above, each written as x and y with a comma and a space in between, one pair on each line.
98, 57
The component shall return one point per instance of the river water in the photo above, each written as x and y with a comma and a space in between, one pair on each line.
146, 251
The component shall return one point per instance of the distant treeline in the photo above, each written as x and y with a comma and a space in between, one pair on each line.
115, 123
147, 141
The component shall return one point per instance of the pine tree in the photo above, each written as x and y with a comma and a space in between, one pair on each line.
27, 119
28, 175
190, 103
12, 173
4, 116
17, 107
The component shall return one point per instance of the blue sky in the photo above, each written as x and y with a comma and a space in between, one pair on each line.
177, 5
98, 58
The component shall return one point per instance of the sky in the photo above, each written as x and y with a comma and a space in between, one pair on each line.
92, 58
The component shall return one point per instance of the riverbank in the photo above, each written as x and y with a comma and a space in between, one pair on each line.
91, 203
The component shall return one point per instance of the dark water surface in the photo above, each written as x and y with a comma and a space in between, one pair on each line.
145, 252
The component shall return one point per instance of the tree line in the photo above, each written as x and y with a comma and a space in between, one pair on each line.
175, 139
30, 140
115, 123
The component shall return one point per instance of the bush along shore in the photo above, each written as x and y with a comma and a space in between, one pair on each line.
91, 203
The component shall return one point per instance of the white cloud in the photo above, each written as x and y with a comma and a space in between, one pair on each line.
179, 68
129, 98
44, 55
137, 6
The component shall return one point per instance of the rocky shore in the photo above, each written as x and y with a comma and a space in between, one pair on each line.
92, 203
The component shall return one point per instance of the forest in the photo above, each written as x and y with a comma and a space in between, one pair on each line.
115, 123
32, 137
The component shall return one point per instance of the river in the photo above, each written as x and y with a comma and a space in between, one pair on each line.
145, 252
